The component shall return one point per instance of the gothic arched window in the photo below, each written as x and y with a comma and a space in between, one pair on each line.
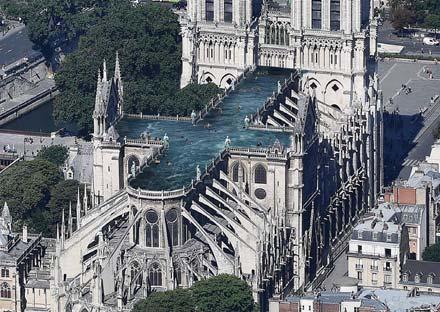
211, 50
135, 274
155, 274
151, 229
267, 35
235, 170
260, 174
5, 290
316, 13
5, 272
228, 11
173, 226
335, 13
178, 275
209, 10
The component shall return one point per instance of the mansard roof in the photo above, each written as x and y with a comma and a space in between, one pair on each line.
424, 269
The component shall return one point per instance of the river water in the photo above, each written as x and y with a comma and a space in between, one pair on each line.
38, 120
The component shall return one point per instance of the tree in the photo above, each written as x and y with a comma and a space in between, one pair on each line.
61, 195
36, 195
223, 293
433, 21
26, 187
413, 12
179, 300
148, 41
56, 154
432, 253
402, 17
54, 23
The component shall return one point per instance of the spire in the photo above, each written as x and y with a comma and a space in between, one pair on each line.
85, 200
117, 67
118, 81
58, 232
104, 71
6, 213
98, 98
63, 229
70, 221
78, 211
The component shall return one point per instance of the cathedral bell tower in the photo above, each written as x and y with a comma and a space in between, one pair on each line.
218, 41
107, 150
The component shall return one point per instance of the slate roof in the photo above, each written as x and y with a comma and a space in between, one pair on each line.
82, 163
424, 268
339, 297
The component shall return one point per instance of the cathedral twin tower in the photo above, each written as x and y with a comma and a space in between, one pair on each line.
329, 41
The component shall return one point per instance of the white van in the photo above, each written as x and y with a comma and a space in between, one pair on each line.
430, 41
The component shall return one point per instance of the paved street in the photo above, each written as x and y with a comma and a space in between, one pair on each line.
412, 45
15, 45
408, 137
31, 144
339, 273
408, 133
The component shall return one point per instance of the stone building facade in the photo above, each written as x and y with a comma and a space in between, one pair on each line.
22, 257
378, 247
274, 216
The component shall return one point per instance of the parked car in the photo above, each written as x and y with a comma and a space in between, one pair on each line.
430, 41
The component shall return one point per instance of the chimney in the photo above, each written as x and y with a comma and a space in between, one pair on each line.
25, 234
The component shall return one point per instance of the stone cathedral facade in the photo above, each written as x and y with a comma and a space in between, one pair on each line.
274, 216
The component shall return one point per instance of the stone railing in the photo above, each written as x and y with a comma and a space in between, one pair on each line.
158, 195
157, 143
271, 128
157, 117
266, 152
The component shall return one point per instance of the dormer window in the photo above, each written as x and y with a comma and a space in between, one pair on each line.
405, 277
430, 279
388, 237
360, 234
417, 279
374, 236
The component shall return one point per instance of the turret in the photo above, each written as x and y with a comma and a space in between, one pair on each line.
104, 71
